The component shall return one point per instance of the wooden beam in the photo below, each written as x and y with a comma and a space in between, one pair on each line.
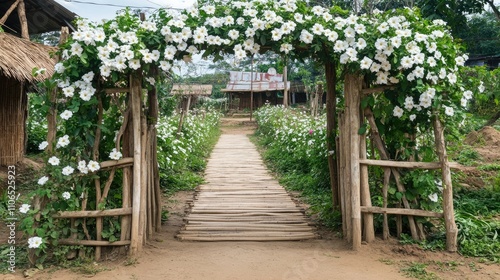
9, 11
406, 164
21, 11
92, 242
401, 211
93, 214
128, 161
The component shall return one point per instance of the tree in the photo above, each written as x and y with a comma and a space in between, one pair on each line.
482, 35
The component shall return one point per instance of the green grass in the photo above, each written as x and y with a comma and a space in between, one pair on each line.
419, 271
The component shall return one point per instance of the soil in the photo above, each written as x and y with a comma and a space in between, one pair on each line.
329, 257
486, 142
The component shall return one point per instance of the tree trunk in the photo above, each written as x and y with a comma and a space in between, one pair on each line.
21, 11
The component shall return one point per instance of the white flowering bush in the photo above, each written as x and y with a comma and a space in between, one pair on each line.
182, 157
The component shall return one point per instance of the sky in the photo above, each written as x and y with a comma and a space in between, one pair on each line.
97, 10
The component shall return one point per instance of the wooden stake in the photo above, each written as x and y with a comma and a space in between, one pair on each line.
449, 213
366, 200
387, 178
144, 183
136, 93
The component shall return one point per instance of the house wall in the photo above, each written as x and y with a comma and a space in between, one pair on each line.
13, 106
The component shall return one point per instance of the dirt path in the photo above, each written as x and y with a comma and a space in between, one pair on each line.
165, 257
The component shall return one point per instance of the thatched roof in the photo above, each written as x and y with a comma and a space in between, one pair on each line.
42, 15
194, 89
18, 57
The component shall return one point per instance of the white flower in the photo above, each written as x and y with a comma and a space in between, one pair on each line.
34, 242
93, 166
286, 48
365, 63
468, 94
66, 195
43, 145
151, 80
306, 37
481, 87
68, 91
449, 111
59, 68
43, 180
68, 170
233, 34
66, 115
82, 167
54, 161
409, 103
134, 64
433, 197
452, 78
63, 141
88, 77
24, 208
413, 117
116, 155
381, 44
397, 112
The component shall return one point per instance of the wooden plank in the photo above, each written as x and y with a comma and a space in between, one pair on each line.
94, 214
93, 242
401, 211
407, 164
129, 161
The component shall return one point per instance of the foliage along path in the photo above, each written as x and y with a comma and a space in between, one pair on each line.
241, 201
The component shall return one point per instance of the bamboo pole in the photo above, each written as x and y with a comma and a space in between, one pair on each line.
286, 100
136, 93
125, 220
449, 213
251, 88
21, 11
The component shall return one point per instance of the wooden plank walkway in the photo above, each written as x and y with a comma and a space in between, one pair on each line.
240, 201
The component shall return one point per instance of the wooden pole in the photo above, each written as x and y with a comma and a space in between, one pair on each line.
368, 227
251, 89
52, 96
21, 11
448, 211
352, 85
285, 80
385, 189
135, 92
331, 129
144, 183
8, 12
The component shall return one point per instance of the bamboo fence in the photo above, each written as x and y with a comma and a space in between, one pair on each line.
356, 206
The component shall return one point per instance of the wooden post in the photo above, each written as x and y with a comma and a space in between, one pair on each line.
448, 211
352, 85
331, 129
144, 183
136, 93
368, 227
21, 11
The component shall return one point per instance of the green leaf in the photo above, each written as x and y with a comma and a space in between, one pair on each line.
362, 129
399, 195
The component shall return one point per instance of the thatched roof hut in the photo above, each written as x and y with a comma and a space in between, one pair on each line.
18, 57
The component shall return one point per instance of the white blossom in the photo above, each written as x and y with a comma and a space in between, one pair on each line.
24, 208
34, 242
43, 180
